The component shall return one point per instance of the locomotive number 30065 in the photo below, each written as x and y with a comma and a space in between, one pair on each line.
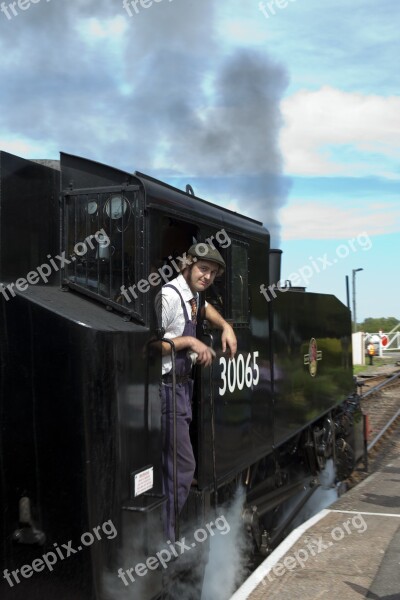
238, 372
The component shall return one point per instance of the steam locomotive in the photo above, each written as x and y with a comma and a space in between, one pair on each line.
84, 249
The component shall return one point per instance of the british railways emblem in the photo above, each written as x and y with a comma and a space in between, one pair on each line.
312, 357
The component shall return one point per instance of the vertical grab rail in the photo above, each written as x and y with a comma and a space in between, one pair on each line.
174, 435
212, 410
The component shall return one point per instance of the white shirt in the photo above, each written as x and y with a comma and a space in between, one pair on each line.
172, 317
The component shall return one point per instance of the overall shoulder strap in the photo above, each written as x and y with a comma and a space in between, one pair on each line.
185, 312
201, 315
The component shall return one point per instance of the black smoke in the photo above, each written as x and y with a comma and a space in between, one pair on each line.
162, 93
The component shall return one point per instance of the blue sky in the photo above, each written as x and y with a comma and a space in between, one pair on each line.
290, 114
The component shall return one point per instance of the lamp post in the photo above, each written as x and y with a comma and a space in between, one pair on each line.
354, 271
347, 292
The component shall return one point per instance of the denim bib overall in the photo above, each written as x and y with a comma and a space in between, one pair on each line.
184, 452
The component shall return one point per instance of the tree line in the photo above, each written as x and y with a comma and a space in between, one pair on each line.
373, 325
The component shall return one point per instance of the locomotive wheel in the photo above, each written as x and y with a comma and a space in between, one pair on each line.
344, 459
323, 442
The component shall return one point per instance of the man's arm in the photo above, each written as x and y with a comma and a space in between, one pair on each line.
228, 337
187, 342
168, 306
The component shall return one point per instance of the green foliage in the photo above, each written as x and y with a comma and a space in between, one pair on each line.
373, 325
378, 362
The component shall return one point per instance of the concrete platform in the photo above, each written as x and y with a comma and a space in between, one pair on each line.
349, 551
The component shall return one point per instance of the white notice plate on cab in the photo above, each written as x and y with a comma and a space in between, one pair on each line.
143, 481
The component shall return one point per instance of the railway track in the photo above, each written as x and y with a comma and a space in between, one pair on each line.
380, 401
367, 382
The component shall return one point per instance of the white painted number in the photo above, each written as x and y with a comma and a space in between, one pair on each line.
240, 373
249, 372
236, 374
231, 377
256, 368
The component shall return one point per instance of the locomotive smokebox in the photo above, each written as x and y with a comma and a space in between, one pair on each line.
274, 266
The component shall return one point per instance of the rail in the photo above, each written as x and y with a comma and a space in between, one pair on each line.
380, 385
383, 431
392, 420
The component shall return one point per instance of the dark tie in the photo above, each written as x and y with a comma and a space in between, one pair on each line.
193, 304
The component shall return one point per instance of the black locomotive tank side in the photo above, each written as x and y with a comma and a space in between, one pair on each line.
80, 413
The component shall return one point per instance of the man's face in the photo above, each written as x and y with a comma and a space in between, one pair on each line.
202, 275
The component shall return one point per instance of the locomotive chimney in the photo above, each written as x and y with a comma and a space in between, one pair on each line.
274, 266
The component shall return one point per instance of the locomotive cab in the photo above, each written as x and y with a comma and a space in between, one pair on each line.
136, 208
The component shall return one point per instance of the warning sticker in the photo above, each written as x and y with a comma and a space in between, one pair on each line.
143, 481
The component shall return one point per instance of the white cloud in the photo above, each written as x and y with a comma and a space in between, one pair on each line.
95, 29
25, 147
243, 31
331, 132
316, 220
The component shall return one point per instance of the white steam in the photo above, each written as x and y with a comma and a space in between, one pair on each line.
323, 497
226, 567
